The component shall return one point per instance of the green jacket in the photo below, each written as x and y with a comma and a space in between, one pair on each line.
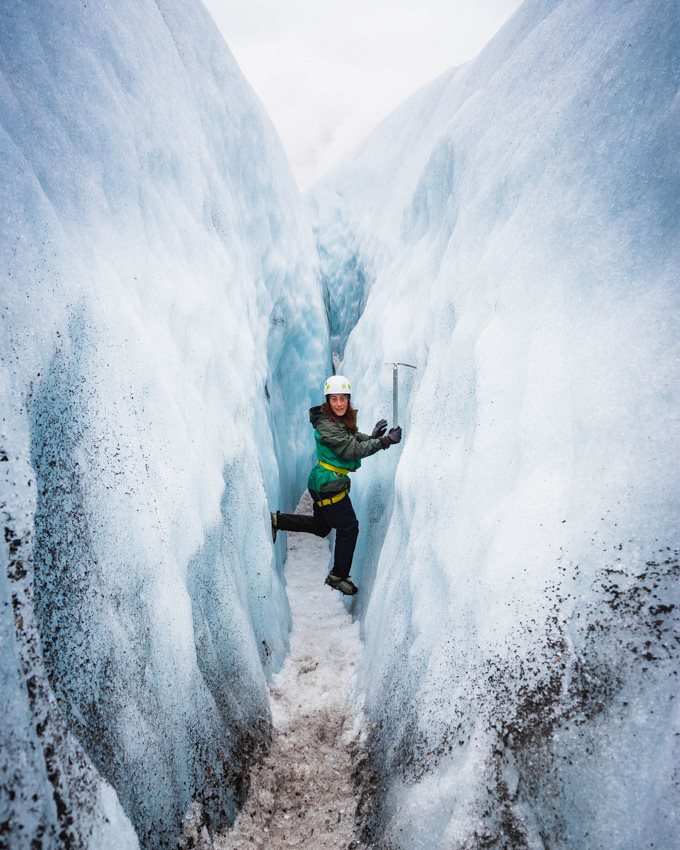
337, 446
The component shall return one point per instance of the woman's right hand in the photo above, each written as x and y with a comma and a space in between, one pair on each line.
393, 436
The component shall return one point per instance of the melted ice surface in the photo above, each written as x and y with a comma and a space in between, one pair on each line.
517, 225
161, 319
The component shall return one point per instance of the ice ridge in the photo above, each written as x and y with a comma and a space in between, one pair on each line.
161, 316
519, 218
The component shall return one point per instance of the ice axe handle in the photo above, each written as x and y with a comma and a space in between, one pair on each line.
395, 390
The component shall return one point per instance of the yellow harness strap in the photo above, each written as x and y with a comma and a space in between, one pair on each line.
337, 469
332, 500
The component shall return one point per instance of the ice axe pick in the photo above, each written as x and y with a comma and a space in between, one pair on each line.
395, 390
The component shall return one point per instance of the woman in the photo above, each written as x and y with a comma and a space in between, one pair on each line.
339, 448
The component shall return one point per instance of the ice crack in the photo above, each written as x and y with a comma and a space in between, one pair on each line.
302, 795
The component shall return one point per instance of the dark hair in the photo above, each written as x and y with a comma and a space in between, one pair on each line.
349, 419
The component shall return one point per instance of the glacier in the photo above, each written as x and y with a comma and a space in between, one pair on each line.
512, 230
160, 313
167, 319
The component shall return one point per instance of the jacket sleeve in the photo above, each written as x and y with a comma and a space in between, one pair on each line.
346, 445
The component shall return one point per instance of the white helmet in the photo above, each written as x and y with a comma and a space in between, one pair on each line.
337, 385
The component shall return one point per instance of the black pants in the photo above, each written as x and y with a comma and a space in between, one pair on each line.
339, 516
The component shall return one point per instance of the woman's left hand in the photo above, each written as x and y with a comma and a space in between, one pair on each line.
380, 428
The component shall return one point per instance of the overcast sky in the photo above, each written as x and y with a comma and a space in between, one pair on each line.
328, 71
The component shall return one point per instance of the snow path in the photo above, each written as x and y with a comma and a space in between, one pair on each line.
302, 795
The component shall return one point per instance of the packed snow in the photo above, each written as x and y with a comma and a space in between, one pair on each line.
516, 223
161, 318
303, 794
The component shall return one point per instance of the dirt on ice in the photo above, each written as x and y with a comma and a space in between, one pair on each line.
302, 795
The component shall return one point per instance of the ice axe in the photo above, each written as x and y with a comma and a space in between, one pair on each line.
395, 390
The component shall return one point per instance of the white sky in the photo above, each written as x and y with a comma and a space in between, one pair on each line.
328, 71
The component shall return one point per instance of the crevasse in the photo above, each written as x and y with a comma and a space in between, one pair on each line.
511, 230
519, 554
160, 317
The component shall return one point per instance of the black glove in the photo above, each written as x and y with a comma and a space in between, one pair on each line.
393, 437
380, 428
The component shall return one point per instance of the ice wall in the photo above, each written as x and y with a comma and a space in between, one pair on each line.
519, 218
159, 305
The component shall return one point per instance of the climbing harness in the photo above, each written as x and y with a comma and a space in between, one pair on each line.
337, 469
332, 499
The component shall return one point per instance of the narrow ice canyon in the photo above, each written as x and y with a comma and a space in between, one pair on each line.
507, 676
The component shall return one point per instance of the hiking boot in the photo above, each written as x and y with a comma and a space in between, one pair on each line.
344, 585
275, 525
